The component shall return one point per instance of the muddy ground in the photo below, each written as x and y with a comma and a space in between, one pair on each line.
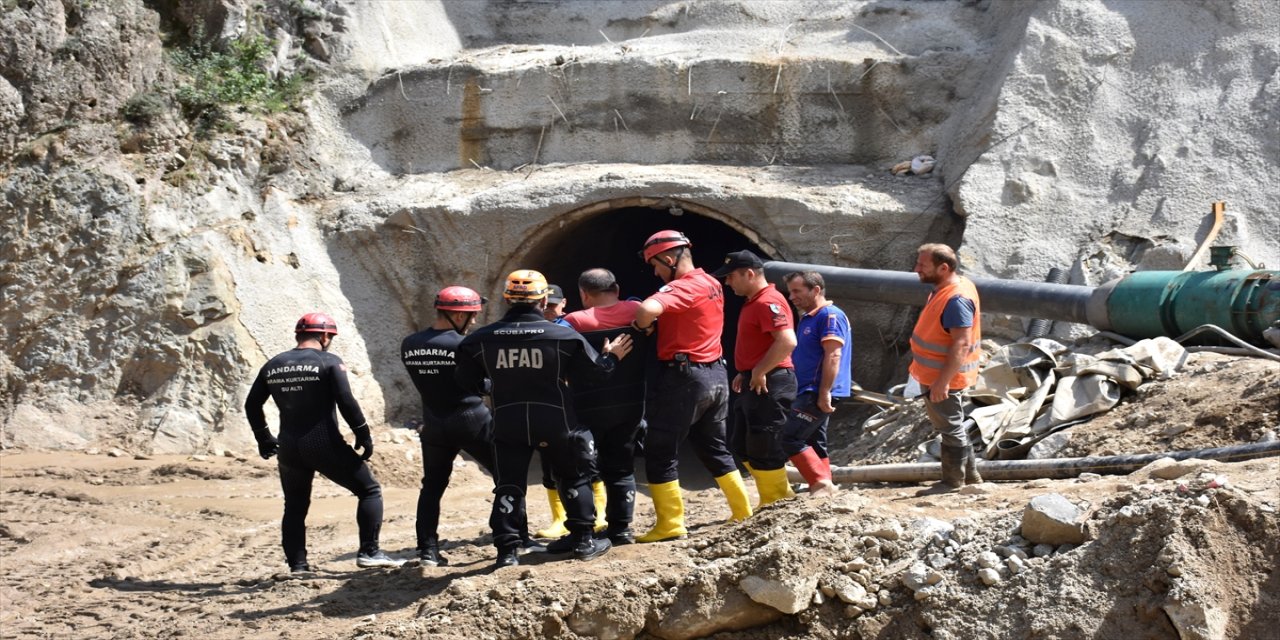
102, 546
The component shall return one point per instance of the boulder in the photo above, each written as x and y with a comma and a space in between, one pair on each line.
788, 595
1052, 519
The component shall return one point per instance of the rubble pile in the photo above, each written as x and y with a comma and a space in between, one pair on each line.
1152, 555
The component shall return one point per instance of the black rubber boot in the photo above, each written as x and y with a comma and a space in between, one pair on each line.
562, 545
618, 537
952, 471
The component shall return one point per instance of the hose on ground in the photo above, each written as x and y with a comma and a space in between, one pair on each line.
1053, 468
1247, 348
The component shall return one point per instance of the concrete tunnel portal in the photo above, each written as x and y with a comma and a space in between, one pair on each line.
610, 234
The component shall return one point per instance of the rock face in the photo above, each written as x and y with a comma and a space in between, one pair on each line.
148, 271
1120, 117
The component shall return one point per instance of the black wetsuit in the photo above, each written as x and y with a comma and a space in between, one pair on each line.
452, 421
531, 363
307, 385
613, 409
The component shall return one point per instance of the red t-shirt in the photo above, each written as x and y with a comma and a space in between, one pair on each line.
600, 318
763, 313
692, 317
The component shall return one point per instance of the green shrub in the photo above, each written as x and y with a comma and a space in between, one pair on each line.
236, 77
144, 108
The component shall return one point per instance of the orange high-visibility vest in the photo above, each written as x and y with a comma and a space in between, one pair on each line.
929, 341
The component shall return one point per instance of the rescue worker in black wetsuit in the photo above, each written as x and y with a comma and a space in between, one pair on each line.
530, 364
307, 383
452, 420
612, 408
555, 313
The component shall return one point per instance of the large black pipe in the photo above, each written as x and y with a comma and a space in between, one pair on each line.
1063, 302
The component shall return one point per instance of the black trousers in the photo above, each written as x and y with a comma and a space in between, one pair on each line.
615, 438
573, 460
760, 420
469, 429
687, 403
341, 464
807, 426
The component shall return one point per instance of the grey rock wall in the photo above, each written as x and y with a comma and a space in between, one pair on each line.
145, 274
1109, 130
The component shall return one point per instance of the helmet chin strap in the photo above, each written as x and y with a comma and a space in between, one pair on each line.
675, 262
463, 329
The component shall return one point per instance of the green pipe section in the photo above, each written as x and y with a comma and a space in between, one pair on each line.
1147, 304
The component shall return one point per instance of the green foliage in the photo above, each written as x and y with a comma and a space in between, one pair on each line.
234, 78
144, 108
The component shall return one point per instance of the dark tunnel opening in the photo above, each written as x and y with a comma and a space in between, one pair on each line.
612, 240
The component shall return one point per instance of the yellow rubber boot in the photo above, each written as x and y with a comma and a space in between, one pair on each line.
735, 491
772, 485
598, 496
669, 505
556, 529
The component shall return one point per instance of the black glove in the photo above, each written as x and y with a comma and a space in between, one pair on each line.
267, 444
364, 441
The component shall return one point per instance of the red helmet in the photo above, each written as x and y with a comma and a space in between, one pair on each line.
662, 241
316, 323
457, 298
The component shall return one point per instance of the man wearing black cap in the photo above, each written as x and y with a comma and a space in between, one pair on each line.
555, 304
766, 380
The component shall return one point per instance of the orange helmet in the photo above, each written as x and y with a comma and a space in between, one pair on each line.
316, 323
662, 241
525, 285
457, 298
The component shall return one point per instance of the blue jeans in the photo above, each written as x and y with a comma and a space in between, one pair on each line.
806, 426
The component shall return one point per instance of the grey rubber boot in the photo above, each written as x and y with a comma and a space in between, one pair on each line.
953, 470
971, 475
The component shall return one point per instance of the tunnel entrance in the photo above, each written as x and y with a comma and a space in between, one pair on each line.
611, 239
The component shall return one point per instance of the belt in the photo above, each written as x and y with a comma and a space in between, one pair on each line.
672, 364
747, 373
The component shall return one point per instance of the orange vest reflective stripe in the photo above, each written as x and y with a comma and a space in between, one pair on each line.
929, 341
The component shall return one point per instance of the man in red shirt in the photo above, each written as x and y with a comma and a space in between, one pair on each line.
612, 408
690, 398
766, 379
